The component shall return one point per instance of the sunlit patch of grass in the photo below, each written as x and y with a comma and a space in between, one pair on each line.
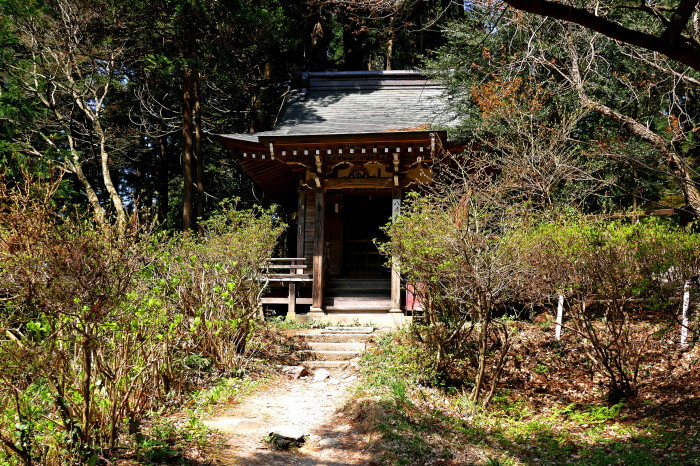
168, 437
225, 390
293, 324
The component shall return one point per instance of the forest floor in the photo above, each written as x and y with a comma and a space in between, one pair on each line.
550, 407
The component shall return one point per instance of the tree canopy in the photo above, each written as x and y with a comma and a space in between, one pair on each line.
669, 27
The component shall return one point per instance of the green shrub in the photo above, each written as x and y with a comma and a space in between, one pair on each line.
398, 356
457, 257
99, 326
610, 272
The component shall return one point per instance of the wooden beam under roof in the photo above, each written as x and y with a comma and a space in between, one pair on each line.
270, 159
352, 138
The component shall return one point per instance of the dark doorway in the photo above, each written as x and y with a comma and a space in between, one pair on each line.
363, 217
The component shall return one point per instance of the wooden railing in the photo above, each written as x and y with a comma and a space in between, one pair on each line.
290, 270
285, 269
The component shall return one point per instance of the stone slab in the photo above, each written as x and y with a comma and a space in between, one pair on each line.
348, 330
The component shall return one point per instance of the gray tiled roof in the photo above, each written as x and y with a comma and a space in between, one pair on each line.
248, 137
359, 102
362, 102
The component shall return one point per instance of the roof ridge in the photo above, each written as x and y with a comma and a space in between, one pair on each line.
321, 74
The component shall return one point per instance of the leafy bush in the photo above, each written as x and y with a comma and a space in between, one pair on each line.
99, 326
454, 250
610, 272
210, 289
398, 356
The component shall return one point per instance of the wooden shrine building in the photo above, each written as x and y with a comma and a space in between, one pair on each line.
347, 147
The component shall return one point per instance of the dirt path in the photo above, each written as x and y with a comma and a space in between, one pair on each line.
292, 407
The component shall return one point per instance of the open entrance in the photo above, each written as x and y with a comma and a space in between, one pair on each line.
363, 217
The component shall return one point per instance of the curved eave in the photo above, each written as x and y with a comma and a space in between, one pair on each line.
239, 142
275, 177
347, 138
263, 157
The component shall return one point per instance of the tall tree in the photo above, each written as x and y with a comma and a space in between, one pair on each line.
70, 57
231, 69
624, 99
377, 35
668, 27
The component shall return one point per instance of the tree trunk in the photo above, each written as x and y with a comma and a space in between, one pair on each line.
162, 198
188, 164
389, 52
483, 347
198, 155
86, 388
317, 39
107, 179
675, 162
353, 59
390, 45
75, 167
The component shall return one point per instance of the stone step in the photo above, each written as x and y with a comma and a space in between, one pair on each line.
346, 330
334, 337
325, 364
328, 355
376, 318
334, 346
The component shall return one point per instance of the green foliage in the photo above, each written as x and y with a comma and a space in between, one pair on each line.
593, 415
399, 358
225, 389
167, 439
548, 71
102, 326
452, 247
605, 269
82, 83
414, 423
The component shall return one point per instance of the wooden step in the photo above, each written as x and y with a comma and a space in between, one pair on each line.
365, 308
359, 293
350, 303
359, 284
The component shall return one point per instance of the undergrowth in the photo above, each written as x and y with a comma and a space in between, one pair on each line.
413, 419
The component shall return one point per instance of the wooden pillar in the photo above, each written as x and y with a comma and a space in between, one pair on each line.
395, 275
301, 226
292, 305
319, 246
